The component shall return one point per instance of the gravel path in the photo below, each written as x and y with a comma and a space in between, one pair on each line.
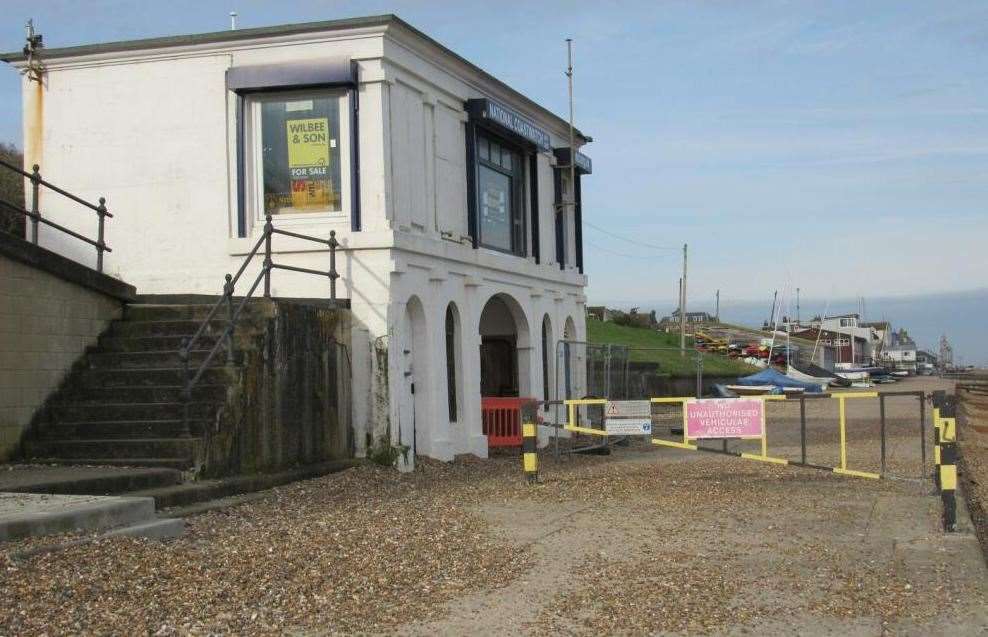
642, 541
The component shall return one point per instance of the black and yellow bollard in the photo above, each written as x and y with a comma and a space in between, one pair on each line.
529, 442
947, 474
938, 399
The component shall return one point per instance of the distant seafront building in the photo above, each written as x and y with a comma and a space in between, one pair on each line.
901, 352
866, 350
450, 192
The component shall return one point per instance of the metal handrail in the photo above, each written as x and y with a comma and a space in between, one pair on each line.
34, 214
233, 315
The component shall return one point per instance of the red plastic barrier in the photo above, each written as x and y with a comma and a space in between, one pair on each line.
501, 418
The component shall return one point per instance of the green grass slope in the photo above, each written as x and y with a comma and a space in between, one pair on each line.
647, 347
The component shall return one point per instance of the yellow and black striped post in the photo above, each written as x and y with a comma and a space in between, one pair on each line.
938, 399
529, 442
947, 474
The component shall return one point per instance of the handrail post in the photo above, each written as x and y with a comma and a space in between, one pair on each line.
183, 353
268, 231
333, 274
228, 293
35, 191
100, 244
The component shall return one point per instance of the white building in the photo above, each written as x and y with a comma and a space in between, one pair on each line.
449, 190
901, 352
850, 325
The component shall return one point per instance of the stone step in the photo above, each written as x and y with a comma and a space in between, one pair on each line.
153, 377
139, 448
31, 515
161, 463
165, 328
124, 429
153, 360
213, 393
86, 480
151, 343
190, 493
188, 312
91, 412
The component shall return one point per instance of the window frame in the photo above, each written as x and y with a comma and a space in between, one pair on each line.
253, 159
519, 176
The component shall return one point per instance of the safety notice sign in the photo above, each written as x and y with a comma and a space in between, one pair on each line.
628, 417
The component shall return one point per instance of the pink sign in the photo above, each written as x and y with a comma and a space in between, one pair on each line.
725, 418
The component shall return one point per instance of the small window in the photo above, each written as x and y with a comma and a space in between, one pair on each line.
298, 153
500, 191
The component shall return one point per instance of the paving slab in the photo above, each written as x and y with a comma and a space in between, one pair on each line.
33, 514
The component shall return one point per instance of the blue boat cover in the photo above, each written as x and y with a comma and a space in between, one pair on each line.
770, 376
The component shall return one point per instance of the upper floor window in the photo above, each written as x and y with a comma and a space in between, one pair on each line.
298, 153
500, 194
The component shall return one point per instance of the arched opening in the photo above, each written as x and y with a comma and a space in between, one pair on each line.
413, 419
504, 349
454, 396
548, 344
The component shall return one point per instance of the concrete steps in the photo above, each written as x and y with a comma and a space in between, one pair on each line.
152, 360
123, 429
99, 378
213, 393
81, 412
124, 406
151, 343
86, 480
110, 448
31, 515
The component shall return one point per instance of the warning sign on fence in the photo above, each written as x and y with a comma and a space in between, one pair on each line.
628, 418
725, 418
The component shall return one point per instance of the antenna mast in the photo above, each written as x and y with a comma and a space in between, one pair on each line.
572, 140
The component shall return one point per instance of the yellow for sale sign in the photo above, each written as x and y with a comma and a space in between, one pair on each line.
308, 162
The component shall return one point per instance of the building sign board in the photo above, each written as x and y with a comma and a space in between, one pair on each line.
628, 417
725, 418
487, 109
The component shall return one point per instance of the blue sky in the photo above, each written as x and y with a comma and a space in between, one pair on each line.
840, 147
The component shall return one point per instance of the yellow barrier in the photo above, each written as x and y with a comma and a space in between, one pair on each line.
690, 444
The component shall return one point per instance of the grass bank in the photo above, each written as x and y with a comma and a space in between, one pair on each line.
646, 344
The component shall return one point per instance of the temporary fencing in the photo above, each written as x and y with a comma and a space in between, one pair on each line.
715, 425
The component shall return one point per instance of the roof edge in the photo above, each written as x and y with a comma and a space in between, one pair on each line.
212, 37
219, 37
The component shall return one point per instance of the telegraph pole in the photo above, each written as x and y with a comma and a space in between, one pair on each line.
797, 306
682, 308
717, 312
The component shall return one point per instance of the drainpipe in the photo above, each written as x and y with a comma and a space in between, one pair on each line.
34, 73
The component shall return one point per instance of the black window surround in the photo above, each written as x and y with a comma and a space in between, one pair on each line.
583, 166
490, 119
499, 162
290, 76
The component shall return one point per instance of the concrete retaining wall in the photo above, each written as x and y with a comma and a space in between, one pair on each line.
291, 405
51, 310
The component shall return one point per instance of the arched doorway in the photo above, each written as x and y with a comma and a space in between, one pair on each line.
454, 393
504, 349
548, 358
413, 419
